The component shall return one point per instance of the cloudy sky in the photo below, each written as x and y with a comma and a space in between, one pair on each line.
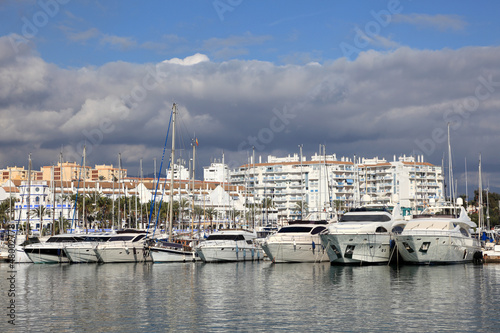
378, 78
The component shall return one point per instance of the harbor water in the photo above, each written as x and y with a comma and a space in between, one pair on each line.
249, 297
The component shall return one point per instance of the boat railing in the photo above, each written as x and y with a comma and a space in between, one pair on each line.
439, 232
303, 239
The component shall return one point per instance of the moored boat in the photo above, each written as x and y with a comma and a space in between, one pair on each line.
440, 235
362, 236
125, 246
297, 242
52, 250
230, 245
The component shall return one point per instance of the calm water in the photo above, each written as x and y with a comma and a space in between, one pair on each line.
252, 297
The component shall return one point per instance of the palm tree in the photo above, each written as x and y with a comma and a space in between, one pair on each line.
4, 212
39, 212
183, 205
301, 208
210, 213
267, 203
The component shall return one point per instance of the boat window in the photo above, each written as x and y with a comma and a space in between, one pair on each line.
381, 229
464, 232
295, 229
317, 230
226, 237
121, 238
408, 247
97, 238
138, 238
64, 239
364, 218
397, 229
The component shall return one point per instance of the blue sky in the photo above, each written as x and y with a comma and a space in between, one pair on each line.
371, 78
82, 33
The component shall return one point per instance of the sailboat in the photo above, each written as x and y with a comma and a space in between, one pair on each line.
170, 250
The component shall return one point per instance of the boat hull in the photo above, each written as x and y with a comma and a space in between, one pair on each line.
111, 254
81, 254
372, 248
160, 255
436, 249
47, 255
289, 252
228, 253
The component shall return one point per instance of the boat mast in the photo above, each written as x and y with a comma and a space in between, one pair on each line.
61, 198
450, 170
83, 198
29, 195
52, 231
481, 218
119, 189
192, 188
172, 160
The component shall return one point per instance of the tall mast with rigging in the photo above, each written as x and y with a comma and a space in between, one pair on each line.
172, 159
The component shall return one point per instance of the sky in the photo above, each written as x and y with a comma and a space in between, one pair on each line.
365, 78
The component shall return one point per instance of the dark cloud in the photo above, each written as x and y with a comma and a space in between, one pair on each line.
381, 104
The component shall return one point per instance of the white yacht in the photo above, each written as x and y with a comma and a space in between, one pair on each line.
125, 246
52, 250
440, 235
84, 252
363, 235
230, 245
297, 242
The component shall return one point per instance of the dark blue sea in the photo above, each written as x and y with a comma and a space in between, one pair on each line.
250, 297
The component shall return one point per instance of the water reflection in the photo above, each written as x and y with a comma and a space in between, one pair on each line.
253, 296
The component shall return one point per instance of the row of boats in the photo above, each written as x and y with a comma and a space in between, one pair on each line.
366, 235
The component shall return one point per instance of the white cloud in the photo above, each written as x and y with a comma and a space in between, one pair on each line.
441, 22
188, 61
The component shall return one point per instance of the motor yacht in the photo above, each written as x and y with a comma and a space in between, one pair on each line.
125, 246
440, 235
52, 250
296, 242
84, 251
230, 245
362, 236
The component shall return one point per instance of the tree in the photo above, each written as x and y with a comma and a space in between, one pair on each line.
210, 213
301, 208
267, 203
